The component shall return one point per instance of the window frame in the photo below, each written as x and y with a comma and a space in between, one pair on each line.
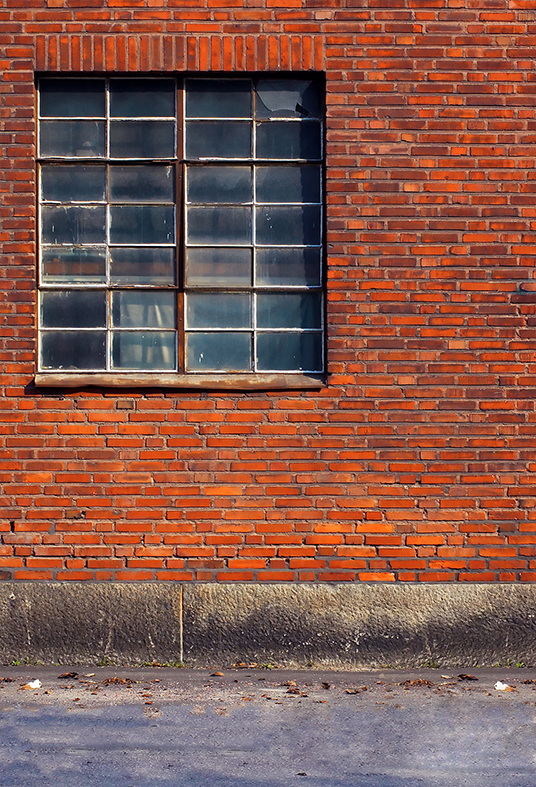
181, 163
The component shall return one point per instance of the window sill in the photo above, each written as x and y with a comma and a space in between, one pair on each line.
213, 382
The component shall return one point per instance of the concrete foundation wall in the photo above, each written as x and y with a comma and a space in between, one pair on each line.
358, 625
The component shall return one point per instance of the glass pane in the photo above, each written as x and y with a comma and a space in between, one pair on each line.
222, 267
287, 98
216, 352
75, 138
280, 267
289, 352
288, 184
72, 98
219, 225
142, 139
142, 224
219, 184
72, 350
73, 225
73, 309
288, 226
149, 183
73, 183
213, 139
145, 265
132, 309
289, 140
134, 98
148, 351
289, 310
216, 310
218, 98
73, 265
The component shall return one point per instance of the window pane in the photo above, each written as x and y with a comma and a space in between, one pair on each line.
288, 267
72, 98
216, 310
219, 225
287, 352
73, 309
218, 267
218, 98
216, 352
289, 140
149, 351
289, 310
142, 224
145, 265
292, 226
73, 225
149, 183
213, 139
72, 350
142, 139
287, 98
132, 309
73, 183
73, 265
73, 138
288, 184
219, 184
134, 98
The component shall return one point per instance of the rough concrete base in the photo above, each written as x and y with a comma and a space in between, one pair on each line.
356, 625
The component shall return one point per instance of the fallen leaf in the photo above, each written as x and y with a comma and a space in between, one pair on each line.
148, 702
352, 691
418, 682
117, 681
68, 675
217, 674
464, 676
326, 686
90, 675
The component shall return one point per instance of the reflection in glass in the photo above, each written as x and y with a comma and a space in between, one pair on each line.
215, 352
289, 352
219, 184
292, 226
71, 98
73, 224
72, 183
73, 309
287, 98
76, 265
219, 225
135, 309
142, 224
134, 98
73, 350
218, 98
288, 267
291, 140
142, 265
72, 138
144, 350
287, 184
142, 139
217, 310
289, 310
218, 139
213, 267
147, 183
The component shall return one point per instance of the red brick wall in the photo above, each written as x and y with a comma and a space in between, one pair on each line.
417, 460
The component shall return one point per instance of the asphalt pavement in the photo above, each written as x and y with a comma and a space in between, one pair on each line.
251, 727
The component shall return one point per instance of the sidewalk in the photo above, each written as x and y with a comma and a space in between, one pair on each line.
249, 727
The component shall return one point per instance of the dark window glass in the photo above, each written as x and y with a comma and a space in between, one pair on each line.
217, 225
291, 140
134, 98
73, 183
149, 183
218, 310
73, 350
288, 184
147, 351
218, 98
142, 224
72, 138
289, 310
288, 267
218, 267
287, 98
135, 309
219, 184
73, 225
72, 98
142, 265
141, 139
73, 309
289, 225
217, 352
287, 352
61, 264
215, 139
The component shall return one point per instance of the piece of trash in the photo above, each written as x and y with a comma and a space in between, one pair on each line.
90, 675
464, 676
301, 773
69, 675
33, 684
217, 674
500, 686
446, 677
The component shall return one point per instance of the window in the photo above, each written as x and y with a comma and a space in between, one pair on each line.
180, 226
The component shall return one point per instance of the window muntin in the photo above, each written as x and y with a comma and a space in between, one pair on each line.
246, 284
